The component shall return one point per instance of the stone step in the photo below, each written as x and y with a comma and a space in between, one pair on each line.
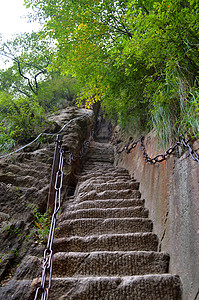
104, 178
108, 179
96, 147
85, 227
131, 212
111, 203
109, 263
108, 242
87, 186
146, 287
114, 194
100, 157
91, 164
94, 168
108, 171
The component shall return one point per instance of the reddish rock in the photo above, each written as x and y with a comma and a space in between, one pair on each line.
171, 192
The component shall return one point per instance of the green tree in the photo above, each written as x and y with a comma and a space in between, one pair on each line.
56, 90
140, 59
30, 55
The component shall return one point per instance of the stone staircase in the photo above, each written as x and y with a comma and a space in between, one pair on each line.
105, 248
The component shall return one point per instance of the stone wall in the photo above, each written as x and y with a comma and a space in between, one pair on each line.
171, 191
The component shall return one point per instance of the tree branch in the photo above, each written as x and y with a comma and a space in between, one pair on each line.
20, 72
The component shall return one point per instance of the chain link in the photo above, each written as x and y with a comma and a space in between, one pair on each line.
160, 157
48, 253
44, 288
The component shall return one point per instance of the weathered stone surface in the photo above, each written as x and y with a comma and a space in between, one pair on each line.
139, 212
94, 226
113, 194
30, 267
108, 242
6, 261
104, 238
16, 290
110, 203
106, 263
171, 192
4, 217
148, 287
87, 187
24, 185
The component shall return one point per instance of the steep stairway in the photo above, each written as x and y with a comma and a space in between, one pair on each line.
105, 248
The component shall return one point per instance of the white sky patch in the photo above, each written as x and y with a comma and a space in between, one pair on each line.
13, 20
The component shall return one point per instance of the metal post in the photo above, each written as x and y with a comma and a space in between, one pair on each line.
55, 166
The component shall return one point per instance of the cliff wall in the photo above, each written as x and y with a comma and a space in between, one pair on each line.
171, 191
24, 186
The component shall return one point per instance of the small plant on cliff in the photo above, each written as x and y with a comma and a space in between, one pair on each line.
41, 225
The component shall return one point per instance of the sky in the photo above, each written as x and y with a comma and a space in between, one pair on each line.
12, 19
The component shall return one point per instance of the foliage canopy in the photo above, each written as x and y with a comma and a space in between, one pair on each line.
141, 59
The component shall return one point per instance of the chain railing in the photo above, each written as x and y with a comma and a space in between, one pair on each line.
160, 157
41, 134
54, 203
48, 253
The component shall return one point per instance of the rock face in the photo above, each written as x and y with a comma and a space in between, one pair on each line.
105, 248
24, 185
171, 193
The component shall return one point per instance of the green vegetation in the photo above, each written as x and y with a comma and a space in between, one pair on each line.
141, 60
27, 91
20, 120
41, 225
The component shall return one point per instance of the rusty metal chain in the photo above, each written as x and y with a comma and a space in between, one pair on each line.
48, 253
44, 288
160, 157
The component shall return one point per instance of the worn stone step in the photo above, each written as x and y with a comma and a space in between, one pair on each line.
96, 147
110, 203
100, 158
131, 212
94, 226
100, 154
101, 173
114, 194
108, 242
96, 168
109, 263
146, 287
104, 178
107, 179
91, 164
87, 186
108, 171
